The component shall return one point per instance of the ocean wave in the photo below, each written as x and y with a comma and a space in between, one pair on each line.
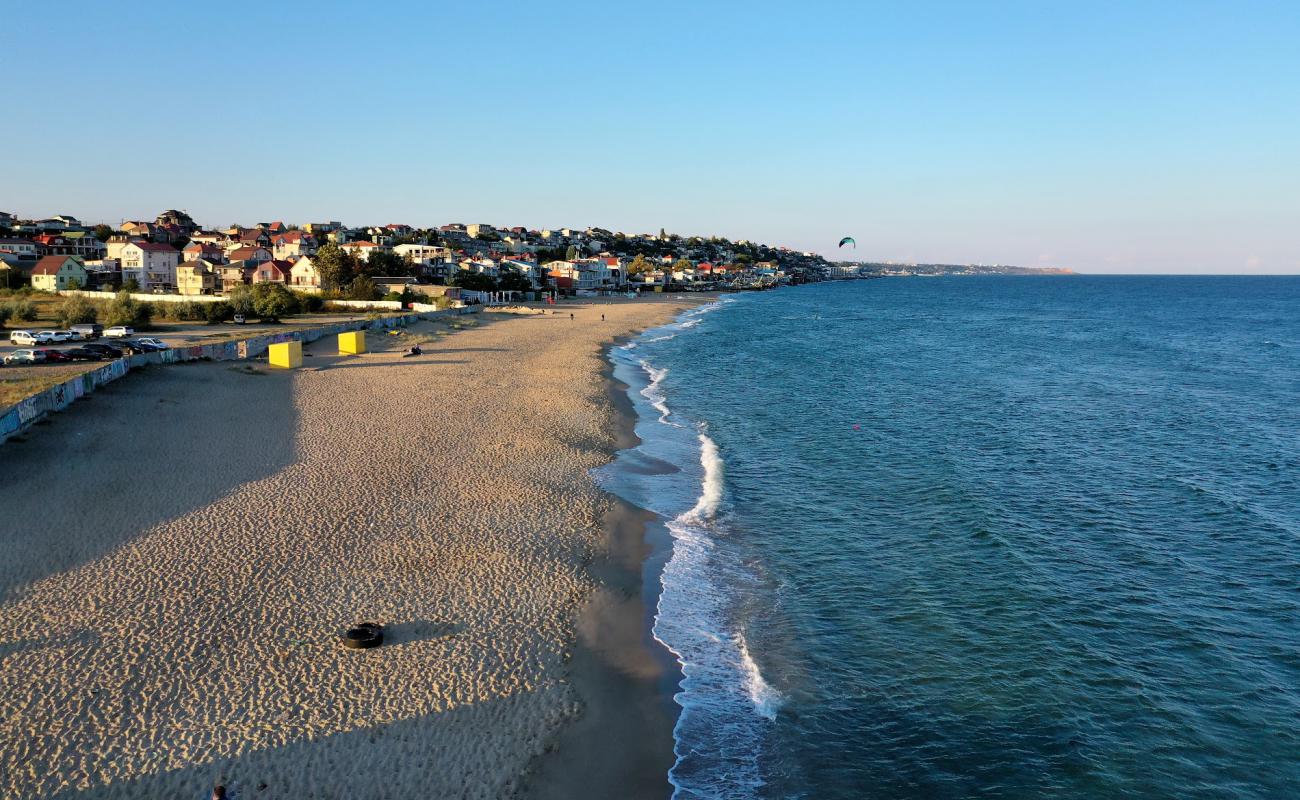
706, 508
654, 393
767, 700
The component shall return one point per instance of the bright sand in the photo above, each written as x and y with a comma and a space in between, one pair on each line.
182, 551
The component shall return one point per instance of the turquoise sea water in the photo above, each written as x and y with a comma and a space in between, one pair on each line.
998, 537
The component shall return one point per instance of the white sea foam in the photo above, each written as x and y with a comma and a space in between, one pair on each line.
706, 508
653, 391
766, 699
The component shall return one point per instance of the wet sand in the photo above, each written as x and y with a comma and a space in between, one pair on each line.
183, 550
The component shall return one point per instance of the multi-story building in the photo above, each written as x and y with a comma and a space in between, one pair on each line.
152, 264
196, 276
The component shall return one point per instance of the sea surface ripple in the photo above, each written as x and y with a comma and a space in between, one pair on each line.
1000, 537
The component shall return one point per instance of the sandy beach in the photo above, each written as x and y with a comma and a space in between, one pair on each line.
183, 549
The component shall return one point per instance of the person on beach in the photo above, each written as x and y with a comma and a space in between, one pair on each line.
414, 351
570, 316
602, 317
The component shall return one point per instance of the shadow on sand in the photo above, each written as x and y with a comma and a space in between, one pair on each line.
143, 450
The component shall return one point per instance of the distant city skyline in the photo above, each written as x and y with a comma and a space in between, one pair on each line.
1101, 138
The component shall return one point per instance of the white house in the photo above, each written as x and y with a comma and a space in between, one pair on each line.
291, 244
152, 264
361, 249
423, 254
303, 274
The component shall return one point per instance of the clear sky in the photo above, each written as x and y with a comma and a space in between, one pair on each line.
1115, 137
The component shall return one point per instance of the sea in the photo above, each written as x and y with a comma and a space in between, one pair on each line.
996, 537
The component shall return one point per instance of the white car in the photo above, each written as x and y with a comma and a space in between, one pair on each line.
54, 337
118, 332
24, 357
23, 337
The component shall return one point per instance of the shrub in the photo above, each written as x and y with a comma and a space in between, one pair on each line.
394, 296
272, 301
5, 313
442, 302
241, 300
311, 303
362, 288
22, 309
126, 310
218, 312
77, 310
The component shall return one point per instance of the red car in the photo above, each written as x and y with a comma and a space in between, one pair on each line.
52, 356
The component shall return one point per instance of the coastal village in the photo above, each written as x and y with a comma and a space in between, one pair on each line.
172, 254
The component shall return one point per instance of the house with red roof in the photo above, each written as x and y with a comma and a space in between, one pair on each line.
203, 250
152, 264
249, 253
271, 272
49, 244
55, 273
293, 244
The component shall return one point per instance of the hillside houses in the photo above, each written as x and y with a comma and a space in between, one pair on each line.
173, 252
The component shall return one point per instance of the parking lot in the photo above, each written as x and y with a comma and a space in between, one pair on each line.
179, 334
18, 382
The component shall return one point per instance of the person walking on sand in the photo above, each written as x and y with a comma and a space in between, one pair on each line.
602, 317
570, 316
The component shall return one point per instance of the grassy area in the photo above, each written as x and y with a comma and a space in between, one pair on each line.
19, 383
47, 310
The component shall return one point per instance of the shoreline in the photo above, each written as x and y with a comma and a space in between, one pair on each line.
623, 745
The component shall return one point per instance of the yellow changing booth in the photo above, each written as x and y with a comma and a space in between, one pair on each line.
285, 354
352, 343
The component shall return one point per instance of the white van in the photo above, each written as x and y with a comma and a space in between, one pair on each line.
23, 337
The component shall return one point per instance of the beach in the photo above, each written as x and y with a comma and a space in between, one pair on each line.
184, 549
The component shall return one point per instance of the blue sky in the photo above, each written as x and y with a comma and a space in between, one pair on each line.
1107, 137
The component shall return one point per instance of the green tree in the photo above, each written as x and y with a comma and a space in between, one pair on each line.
510, 280
5, 313
386, 265
124, 309
241, 301
131, 285
73, 284
682, 264
571, 253
336, 267
76, 310
271, 301
103, 232
639, 265
473, 281
362, 288
218, 312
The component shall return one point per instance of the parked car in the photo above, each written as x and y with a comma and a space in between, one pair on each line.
24, 357
73, 336
83, 354
107, 351
23, 337
53, 355
132, 347
119, 332
157, 344
53, 337
239, 319
89, 330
